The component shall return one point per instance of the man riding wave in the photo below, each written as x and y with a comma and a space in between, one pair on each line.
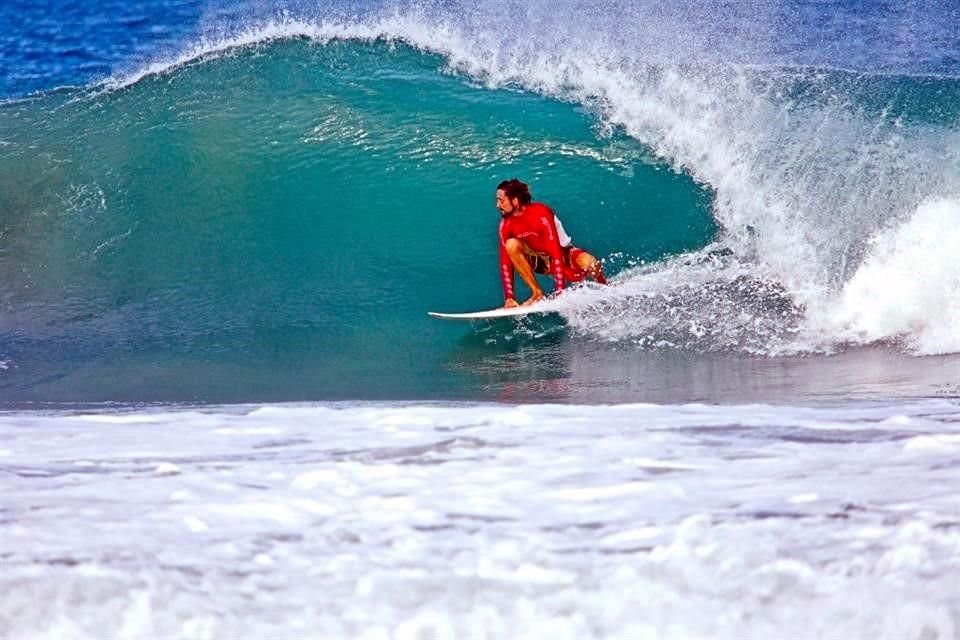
532, 240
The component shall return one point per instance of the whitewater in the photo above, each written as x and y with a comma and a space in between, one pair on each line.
651, 521
225, 413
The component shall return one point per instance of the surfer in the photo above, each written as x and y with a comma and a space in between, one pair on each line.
532, 240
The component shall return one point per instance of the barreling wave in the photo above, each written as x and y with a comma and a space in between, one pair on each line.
296, 178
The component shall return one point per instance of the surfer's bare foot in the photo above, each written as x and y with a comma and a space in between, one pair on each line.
536, 297
597, 273
510, 302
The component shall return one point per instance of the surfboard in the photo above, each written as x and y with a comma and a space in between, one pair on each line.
492, 314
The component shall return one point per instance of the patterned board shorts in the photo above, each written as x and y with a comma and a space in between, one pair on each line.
541, 263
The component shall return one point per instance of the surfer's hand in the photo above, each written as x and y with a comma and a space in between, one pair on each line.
510, 302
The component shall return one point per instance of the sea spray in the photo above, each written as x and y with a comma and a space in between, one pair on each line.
909, 285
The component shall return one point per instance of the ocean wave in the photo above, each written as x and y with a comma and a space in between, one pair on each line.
802, 160
761, 200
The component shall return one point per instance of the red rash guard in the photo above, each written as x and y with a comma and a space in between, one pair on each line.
534, 226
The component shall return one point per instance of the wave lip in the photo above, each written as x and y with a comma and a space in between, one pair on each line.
397, 28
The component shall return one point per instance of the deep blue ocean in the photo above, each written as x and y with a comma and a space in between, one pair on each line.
224, 411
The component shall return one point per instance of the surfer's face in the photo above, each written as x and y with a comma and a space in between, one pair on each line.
504, 203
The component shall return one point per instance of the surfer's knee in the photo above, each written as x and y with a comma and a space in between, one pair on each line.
513, 246
592, 266
587, 262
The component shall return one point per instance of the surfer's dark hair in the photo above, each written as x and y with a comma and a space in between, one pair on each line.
513, 188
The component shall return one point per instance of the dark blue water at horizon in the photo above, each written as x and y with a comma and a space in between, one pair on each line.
58, 43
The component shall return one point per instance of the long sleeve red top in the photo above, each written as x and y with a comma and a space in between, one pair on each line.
535, 227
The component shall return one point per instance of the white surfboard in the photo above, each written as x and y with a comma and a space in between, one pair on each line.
492, 314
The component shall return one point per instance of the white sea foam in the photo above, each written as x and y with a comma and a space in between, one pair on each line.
484, 521
909, 285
